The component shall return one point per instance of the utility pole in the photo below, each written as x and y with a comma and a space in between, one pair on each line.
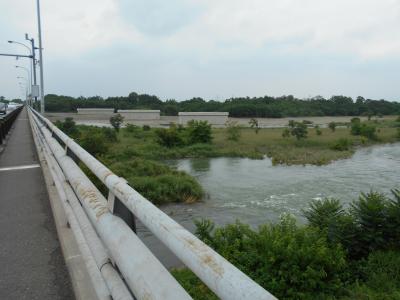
34, 90
40, 60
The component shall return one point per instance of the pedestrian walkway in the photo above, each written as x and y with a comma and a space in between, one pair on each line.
32, 265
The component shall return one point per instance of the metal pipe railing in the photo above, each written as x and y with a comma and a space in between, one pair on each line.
127, 251
224, 279
6, 122
84, 231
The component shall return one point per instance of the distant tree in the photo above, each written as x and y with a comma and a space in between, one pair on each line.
298, 129
254, 124
116, 121
332, 126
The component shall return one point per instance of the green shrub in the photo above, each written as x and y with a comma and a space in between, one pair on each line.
116, 121
342, 144
299, 130
199, 132
368, 131
93, 141
68, 127
109, 134
233, 131
254, 124
307, 122
289, 261
169, 137
371, 223
131, 128
318, 130
332, 126
158, 182
146, 128
286, 133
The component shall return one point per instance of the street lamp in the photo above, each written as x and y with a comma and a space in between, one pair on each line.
30, 52
27, 71
40, 59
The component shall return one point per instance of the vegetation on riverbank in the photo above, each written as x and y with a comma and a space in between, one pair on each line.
245, 107
135, 153
351, 253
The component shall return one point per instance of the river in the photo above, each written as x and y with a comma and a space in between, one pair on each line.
256, 192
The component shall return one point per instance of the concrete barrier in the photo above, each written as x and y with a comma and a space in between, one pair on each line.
95, 111
140, 114
214, 118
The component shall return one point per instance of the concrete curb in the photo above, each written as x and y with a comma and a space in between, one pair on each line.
81, 282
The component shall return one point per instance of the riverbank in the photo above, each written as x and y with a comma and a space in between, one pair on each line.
316, 149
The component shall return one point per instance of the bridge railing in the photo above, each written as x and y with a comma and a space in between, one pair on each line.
133, 268
6, 122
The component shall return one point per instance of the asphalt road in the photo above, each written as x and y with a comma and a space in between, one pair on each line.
32, 265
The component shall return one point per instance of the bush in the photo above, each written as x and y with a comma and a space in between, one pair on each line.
109, 134
297, 129
363, 129
332, 126
131, 128
289, 261
285, 133
341, 144
233, 131
371, 223
169, 137
68, 127
199, 132
318, 130
368, 131
116, 121
254, 124
146, 128
94, 141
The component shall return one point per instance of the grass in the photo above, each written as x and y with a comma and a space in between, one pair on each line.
315, 149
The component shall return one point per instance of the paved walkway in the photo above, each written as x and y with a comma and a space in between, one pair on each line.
31, 262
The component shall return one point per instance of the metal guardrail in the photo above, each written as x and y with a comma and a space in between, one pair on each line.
6, 122
108, 241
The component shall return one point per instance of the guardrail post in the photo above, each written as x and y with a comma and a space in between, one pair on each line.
119, 209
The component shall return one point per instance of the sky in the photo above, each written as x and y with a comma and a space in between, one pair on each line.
214, 49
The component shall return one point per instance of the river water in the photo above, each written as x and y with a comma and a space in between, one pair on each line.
256, 192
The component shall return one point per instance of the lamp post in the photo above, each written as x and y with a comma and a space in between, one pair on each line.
28, 84
20, 67
33, 63
40, 59
31, 54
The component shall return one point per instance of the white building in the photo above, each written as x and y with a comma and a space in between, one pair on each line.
213, 118
95, 111
140, 114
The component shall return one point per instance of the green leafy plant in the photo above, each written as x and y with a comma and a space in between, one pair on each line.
199, 132
254, 124
332, 126
116, 121
233, 131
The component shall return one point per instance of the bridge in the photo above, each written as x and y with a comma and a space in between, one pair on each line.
61, 238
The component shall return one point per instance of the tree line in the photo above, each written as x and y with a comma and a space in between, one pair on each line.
256, 107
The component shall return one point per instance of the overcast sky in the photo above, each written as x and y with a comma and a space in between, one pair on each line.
213, 49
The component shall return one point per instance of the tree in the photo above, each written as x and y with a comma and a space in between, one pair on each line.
332, 126
298, 129
116, 121
254, 124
